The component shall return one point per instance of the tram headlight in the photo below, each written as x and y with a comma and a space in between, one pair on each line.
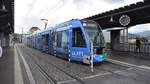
87, 59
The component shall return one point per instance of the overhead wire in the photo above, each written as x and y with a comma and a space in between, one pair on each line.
31, 8
55, 7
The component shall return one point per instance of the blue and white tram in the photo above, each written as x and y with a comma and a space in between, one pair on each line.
72, 40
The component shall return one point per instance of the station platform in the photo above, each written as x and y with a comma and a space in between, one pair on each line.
138, 59
7, 66
11, 69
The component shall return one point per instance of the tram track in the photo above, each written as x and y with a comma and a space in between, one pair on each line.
41, 69
80, 79
44, 72
117, 70
50, 79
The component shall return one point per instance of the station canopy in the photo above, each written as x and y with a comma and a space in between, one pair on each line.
7, 16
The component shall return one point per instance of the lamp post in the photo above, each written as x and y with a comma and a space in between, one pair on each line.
45, 22
3, 6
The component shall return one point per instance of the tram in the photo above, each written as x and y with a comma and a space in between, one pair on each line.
75, 40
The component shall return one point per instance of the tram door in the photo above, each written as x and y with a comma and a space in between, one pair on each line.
45, 42
53, 43
78, 48
65, 43
62, 43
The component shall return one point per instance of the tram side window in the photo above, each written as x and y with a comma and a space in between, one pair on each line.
59, 39
78, 38
38, 40
45, 39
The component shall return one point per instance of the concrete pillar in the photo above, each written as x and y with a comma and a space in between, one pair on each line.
0, 39
125, 35
115, 39
124, 39
7, 40
4, 40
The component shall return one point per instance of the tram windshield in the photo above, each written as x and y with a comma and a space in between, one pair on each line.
94, 33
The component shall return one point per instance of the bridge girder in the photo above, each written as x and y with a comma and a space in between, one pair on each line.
139, 13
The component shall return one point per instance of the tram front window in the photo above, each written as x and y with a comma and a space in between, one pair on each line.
94, 34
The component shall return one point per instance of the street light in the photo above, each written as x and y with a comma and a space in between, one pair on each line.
3, 6
45, 22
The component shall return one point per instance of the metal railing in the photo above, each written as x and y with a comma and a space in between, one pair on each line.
144, 48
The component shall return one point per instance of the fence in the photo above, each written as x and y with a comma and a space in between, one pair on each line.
144, 48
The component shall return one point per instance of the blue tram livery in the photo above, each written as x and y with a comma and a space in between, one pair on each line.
71, 40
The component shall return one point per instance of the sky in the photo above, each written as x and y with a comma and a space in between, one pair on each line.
139, 28
28, 13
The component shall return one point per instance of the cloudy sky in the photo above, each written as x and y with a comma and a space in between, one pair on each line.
29, 12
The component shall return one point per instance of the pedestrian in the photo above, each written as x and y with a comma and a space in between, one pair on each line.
138, 43
1, 51
13, 41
